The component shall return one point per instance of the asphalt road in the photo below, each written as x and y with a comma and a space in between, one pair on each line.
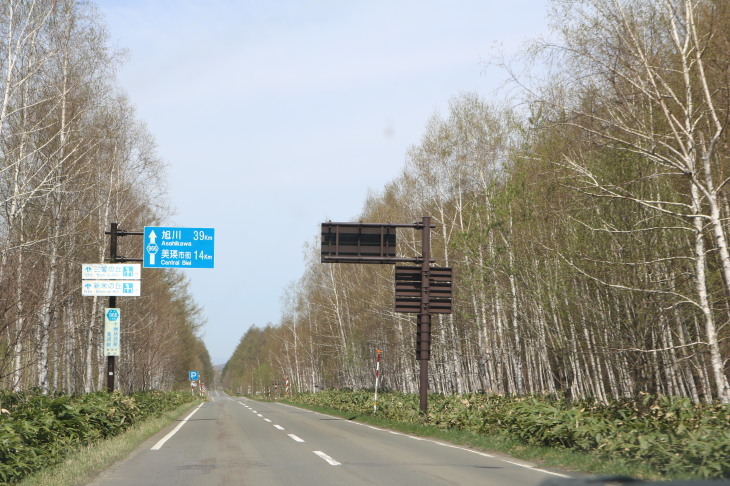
232, 441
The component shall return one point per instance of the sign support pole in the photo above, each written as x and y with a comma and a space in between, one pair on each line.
114, 232
112, 303
375, 243
424, 317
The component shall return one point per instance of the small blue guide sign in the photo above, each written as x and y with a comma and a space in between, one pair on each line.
193, 375
111, 331
171, 247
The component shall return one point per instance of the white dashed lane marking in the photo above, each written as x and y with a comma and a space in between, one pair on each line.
327, 458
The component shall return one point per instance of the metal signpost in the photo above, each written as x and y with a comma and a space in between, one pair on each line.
422, 290
114, 233
164, 247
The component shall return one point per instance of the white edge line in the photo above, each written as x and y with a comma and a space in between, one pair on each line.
484, 454
162, 441
521, 464
549, 472
327, 458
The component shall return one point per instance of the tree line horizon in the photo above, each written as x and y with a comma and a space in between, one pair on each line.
584, 214
74, 158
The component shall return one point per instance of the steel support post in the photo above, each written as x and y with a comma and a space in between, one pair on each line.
112, 304
424, 317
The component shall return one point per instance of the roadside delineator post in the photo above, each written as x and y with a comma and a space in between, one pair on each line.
377, 376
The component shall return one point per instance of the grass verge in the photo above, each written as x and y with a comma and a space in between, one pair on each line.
570, 462
88, 462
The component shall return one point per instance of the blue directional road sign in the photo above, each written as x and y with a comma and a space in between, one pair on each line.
170, 247
193, 375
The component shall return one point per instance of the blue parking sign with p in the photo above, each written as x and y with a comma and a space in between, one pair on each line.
193, 375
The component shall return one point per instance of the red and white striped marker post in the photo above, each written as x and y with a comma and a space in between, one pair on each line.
377, 375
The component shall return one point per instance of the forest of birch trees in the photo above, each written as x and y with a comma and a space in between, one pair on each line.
585, 215
73, 159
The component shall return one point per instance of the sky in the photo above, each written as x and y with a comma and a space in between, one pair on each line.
275, 116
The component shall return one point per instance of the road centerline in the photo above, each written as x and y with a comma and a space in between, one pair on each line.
327, 458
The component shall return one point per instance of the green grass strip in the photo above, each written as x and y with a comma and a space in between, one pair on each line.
81, 467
